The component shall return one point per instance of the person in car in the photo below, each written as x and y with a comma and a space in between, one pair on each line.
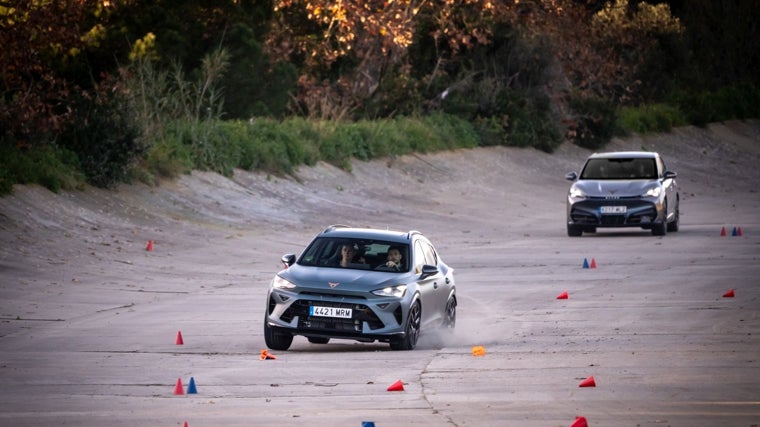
349, 254
394, 258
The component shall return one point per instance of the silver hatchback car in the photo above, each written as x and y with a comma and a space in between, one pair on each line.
361, 284
623, 189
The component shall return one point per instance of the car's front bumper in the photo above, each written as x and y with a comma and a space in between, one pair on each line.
638, 213
373, 319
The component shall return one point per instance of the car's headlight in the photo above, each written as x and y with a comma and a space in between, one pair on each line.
280, 283
576, 193
397, 291
653, 192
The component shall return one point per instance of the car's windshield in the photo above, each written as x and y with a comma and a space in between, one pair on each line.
362, 254
625, 168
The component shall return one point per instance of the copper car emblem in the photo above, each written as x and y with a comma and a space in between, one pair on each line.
333, 284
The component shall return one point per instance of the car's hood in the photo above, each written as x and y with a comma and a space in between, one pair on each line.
616, 188
339, 278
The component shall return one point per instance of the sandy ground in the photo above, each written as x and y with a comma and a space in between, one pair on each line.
88, 316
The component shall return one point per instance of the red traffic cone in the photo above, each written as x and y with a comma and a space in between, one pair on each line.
588, 382
739, 231
178, 389
579, 422
729, 294
397, 386
186, 424
593, 263
265, 355
723, 232
150, 246
179, 341
563, 295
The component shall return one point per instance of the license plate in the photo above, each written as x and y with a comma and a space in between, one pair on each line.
613, 209
342, 313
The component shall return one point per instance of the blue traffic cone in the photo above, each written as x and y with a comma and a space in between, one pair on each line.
585, 263
191, 387
368, 424
734, 233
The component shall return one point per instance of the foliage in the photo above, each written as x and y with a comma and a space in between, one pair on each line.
650, 118
595, 121
738, 101
52, 167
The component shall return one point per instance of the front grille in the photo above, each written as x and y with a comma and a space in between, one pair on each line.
612, 220
359, 313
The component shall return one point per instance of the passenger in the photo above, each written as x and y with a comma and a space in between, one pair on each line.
394, 258
349, 255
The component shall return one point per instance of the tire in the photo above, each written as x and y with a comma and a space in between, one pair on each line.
661, 228
574, 231
673, 225
450, 319
318, 340
276, 340
412, 330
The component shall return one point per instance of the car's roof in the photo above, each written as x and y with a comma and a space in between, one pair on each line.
625, 155
342, 231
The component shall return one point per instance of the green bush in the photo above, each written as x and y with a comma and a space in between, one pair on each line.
594, 121
52, 167
738, 101
649, 118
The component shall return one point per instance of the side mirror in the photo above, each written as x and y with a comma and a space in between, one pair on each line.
288, 260
428, 270
571, 176
669, 175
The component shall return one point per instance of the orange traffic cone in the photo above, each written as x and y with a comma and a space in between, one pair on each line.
179, 341
729, 294
150, 246
478, 350
397, 386
265, 355
178, 389
563, 295
588, 382
579, 422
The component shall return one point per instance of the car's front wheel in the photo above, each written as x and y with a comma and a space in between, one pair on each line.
574, 231
673, 225
412, 330
276, 340
661, 228
450, 319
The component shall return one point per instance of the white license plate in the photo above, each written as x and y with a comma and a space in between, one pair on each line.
343, 313
613, 209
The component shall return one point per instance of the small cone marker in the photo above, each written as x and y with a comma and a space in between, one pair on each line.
150, 246
178, 389
585, 263
739, 231
191, 387
563, 295
593, 263
579, 422
397, 386
179, 341
734, 232
729, 294
478, 350
588, 382
368, 424
265, 355
723, 232
185, 425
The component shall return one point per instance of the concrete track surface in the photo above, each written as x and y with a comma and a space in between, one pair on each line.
89, 318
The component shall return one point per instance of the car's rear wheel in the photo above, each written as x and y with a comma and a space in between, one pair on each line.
318, 340
276, 340
574, 231
412, 330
